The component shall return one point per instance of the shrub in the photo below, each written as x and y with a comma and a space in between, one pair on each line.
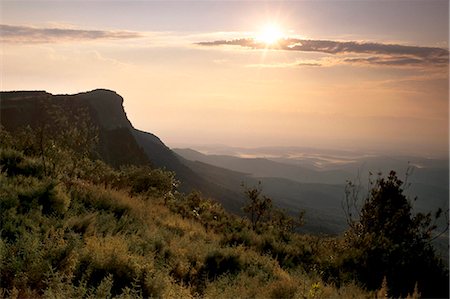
13, 162
103, 257
54, 199
24, 194
145, 180
258, 207
283, 289
263, 215
98, 172
97, 198
218, 263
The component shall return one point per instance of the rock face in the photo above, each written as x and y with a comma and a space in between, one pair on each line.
119, 142
108, 106
25, 107
117, 145
20, 108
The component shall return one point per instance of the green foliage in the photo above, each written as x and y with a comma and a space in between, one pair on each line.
98, 173
15, 163
54, 199
263, 215
59, 141
145, 180
258, 207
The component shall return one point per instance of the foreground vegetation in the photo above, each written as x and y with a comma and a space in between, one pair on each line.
72, 226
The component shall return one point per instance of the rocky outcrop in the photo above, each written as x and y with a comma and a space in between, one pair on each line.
117, 145
19, 108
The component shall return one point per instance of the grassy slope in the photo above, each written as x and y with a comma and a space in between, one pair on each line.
75, 238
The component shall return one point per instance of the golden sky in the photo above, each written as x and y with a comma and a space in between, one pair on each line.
355, 75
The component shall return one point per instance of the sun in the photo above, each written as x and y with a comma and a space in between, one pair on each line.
270, 34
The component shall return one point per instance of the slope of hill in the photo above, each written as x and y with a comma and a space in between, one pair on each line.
97, 232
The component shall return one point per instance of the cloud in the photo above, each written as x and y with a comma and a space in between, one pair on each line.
394, 61
380, 54
284, 65
28, 34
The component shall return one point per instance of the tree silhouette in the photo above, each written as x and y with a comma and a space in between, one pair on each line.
389, 241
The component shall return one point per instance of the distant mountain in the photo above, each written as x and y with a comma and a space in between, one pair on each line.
323, 166
119, 142
262, 167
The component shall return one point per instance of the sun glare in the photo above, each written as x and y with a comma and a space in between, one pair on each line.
270, 34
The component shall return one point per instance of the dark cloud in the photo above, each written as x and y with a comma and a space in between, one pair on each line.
381, 54
280, 65
308, 64
401, 60
26, 34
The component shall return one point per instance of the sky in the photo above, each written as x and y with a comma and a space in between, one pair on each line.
370, 75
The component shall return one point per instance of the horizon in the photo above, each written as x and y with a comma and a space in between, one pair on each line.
246, 74
215, 149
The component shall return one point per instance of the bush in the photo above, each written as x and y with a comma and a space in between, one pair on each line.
145, 180
97, 198
263, 215
24, 194
54, 200
283, 289
218, 263
98, 173
258, 207
103, 257
13, 162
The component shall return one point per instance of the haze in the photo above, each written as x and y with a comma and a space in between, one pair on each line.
188, 74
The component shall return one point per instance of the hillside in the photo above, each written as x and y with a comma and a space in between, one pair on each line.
96, 232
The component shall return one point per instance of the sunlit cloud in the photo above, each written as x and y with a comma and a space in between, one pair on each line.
379, 53
28, 34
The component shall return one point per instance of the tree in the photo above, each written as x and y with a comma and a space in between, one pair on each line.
258, 207
285, 223
261, 212
146, 180
387, 240
61, 138
71, 136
